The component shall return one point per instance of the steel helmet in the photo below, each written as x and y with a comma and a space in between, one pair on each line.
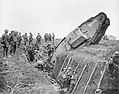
69, 68
6, 30
116, 53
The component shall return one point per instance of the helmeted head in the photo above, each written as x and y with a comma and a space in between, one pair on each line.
64, 69
74, 72
6, 30
116, 57
69, 68
12, 32
25, 33
116, 53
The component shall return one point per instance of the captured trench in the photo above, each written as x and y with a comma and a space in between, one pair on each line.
91, 64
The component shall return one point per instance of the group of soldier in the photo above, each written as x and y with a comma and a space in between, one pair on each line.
10, 41
67, 79
49, 37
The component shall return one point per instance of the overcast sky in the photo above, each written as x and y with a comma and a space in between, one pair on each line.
58, 16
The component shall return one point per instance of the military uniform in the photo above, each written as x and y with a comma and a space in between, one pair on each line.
62, 78
30, 39
25, 37
46, 37
38, 40
72, 81
53, 37
113, 69
19, 39
5, 42
113, 64
13, 43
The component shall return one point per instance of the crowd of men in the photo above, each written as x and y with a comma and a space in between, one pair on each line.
67, 79
11, 40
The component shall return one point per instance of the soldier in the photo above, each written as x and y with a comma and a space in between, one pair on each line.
5, 42
46, 37
50, 37
68, 76
31, 53
61, 78
114, 63
19, 39
38, 40
72, 81
30, 39
25, 37
11, 41
49, 49
15, 37
53, 37
69, 70
113, 68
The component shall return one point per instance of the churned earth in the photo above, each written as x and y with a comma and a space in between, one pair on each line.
21, 77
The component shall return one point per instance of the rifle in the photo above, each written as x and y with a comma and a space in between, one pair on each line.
62, 65
90, 78
70, 59
79, 79
98, 90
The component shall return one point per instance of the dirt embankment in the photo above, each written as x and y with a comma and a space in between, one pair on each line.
94, 57
23, 78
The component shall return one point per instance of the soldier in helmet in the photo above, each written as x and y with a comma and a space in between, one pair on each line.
30, 39
69, 70
68, 78
19, 39
5, 42
114, 63
72, 81
61, 77
53, 37
113, 68
13, 42
25, 37
38, 40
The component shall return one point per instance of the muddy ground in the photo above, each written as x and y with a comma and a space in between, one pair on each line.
22, 78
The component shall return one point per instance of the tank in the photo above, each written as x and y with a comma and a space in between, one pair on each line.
88, 33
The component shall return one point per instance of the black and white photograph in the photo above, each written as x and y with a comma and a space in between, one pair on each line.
59, 46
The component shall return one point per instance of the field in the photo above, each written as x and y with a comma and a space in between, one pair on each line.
21, 77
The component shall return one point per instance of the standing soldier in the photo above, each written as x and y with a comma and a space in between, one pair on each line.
11, 41
53, 37
15, 37
30, 39
46, 37
19, 39
25, 37
5, 43
38, 40
50, 37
